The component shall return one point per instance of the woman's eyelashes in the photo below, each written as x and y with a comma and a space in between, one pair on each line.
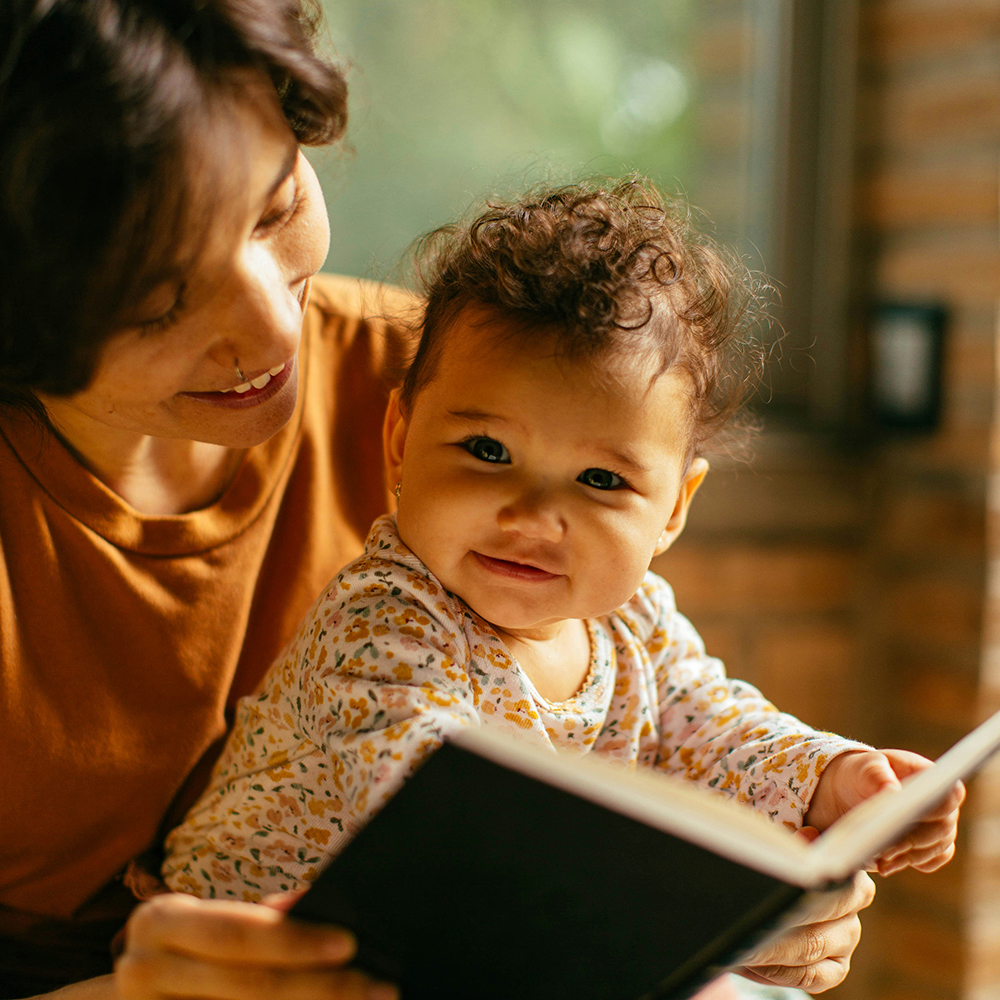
277, 218
167, 319
488, 449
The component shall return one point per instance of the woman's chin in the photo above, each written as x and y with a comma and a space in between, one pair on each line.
241, 427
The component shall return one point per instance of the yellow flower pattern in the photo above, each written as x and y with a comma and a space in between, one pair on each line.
388, 663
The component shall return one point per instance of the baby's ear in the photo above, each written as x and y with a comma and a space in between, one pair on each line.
693, 478
393, 440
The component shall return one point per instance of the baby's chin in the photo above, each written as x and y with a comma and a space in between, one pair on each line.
525, 622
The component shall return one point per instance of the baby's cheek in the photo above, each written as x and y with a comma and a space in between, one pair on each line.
612, 579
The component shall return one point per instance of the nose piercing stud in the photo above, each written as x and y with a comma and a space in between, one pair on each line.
243, 377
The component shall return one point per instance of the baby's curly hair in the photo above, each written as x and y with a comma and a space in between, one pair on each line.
610, 269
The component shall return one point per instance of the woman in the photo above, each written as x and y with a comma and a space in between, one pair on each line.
189, 442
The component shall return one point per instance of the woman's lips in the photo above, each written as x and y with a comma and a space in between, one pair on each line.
254, 396
514, 570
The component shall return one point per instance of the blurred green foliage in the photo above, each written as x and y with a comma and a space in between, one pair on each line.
454, 99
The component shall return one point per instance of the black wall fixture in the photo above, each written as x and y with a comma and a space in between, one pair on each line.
907, 350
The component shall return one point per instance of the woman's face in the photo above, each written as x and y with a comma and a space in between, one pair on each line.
172, 372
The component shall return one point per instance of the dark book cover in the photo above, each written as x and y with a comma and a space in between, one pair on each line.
503, 871
479, 881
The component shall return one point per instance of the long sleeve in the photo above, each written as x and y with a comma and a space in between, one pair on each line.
373, 682
723, 733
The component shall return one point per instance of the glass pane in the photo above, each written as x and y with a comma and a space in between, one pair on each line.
454, 99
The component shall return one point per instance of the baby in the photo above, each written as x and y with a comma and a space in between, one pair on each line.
546, 444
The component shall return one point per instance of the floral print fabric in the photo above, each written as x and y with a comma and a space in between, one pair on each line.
388, 663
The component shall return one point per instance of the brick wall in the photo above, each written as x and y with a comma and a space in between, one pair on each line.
929, 150
861, 589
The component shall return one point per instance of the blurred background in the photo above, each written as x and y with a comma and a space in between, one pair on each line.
851, 149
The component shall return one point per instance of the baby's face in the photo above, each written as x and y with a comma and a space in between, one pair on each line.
532, 490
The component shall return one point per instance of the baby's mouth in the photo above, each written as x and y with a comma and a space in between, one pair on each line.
514, 570
256, 383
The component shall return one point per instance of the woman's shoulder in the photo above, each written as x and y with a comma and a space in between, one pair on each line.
342, 301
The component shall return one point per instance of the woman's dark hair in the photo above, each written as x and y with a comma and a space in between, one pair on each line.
97, 100
609, 269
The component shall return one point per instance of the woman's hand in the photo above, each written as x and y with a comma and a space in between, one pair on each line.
179, 946
855, 776
815, 956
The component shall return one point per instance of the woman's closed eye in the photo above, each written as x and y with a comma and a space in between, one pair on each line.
601, 479
486, 450
168, 318
283, 210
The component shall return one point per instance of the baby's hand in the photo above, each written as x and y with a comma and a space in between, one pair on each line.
856, 775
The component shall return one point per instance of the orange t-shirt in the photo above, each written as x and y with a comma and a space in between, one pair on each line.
124, 637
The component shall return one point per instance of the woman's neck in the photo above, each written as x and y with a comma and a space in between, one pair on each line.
189, 476
154, 475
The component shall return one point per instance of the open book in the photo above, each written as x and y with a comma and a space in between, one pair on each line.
502, 871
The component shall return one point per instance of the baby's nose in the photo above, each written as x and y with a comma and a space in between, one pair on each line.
535, 514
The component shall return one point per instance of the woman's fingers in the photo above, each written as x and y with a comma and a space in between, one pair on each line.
815, 954
166, 974
817, 978
813, 957
178, 946
847, 901
234, 932
283, 901
809, 943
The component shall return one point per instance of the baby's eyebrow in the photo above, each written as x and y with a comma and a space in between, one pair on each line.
623, 458
477, 416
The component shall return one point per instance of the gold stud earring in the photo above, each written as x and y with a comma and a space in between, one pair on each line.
399, 489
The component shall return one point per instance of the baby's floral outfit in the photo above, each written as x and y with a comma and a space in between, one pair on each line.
388, 663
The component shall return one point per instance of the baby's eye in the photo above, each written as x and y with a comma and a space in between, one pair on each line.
486, 450
600, 479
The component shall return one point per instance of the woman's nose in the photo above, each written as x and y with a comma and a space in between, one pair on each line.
267, 320
534, 514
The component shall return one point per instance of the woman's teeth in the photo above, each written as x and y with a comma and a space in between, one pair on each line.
256, 383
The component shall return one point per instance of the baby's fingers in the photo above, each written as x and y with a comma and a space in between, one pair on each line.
925, 842
954, 800
948, 806
926, 851
927, 860
940, 832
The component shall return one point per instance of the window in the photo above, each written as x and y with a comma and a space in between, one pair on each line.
739, 104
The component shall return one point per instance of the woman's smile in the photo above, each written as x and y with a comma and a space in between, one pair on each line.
249, 394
